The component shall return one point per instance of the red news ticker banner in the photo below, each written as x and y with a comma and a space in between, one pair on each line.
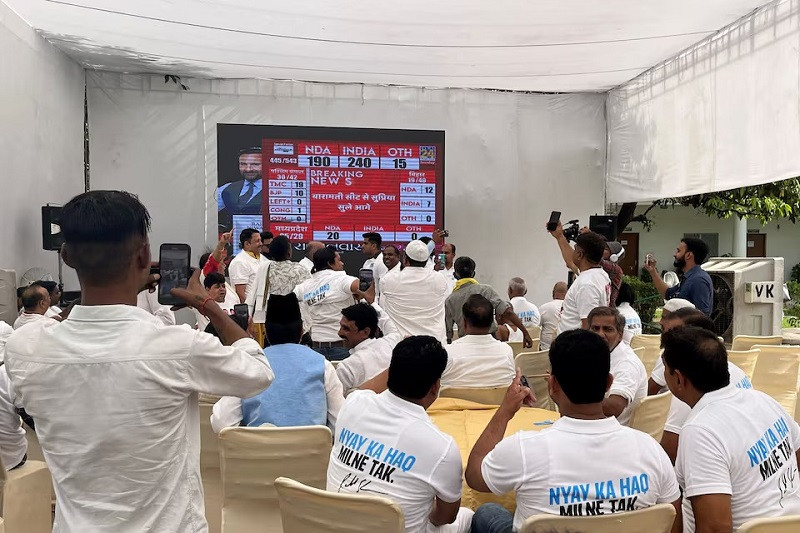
336, 191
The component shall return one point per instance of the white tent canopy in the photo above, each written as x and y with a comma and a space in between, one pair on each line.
542, 45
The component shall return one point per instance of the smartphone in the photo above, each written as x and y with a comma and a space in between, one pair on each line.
364, 278
524, 381
241, 310
442, 260
174, 268
552, 224
445, 233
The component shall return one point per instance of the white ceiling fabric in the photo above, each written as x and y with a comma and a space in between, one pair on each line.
530, 45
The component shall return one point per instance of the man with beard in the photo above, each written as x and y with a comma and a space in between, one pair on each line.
696, 283
243, 197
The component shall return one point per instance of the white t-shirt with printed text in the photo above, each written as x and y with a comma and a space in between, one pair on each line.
589, 290
630, 379
527, 312
386, 446
579, 468
740, 442
325, 295
633, 324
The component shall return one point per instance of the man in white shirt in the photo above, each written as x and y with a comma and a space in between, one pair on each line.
592, 288
13, 445
447, 269
551, 313
371, 247
386, 444
307, 262
35, 304
630, 376
673, 315
415, 296
477, 359
369, 355
115, 400
738, 451
305, 391
679, 411
633, 323
585, 464
391, 263
527, 312
244, 266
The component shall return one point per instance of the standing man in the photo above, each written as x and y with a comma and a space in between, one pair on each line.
311, 248
449, 251
244, 266
266, 240
466, 286
527, 312
116, 399
391, 265
592, 288
372, 248
243, 197
738, 451
551, 312
696, 284
414, 297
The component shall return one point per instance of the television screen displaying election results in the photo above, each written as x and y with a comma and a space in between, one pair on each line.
331, 184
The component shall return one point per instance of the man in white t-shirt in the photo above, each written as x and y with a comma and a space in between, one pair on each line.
307, 262
477, 359
527, 312
679, 411
244, 266
35, 304
585, 464
738, 452
633, 323
386, 444
369, 355
673, 315
592, 288
448, 269
630, 376
391, 264
415, 296
550, 314
116, 398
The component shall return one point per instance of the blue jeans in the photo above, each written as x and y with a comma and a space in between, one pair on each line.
334, 353
492, 518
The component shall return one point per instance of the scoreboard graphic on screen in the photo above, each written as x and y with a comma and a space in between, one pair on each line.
335, 191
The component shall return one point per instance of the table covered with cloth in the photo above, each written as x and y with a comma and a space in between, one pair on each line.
465, 421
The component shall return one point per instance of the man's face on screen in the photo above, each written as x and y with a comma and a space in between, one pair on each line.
250, 166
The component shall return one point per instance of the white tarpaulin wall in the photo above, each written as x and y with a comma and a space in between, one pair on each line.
725, 114
527, 45
509, 156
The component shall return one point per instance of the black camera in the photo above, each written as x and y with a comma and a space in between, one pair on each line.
571, 230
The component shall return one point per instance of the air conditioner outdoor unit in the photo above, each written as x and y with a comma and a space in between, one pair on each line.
748, 295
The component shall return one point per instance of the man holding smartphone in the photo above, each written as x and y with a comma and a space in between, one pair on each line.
116, 399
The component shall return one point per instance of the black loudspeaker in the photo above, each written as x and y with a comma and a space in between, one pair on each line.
51, 231
605, 225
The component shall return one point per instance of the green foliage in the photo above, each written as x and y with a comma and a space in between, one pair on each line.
794, 290
794, 275
647, 302
765, 203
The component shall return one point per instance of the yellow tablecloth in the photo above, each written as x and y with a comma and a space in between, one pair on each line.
465, 421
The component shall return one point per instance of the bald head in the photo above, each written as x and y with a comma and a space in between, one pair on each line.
559, 290
312, 247
516, 287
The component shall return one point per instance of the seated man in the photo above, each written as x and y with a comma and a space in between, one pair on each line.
477, 359
35, 305
679, 411
306, 390
369, 355
217, 291
630, 376
672, 316
585, 464
386, 444
738, 453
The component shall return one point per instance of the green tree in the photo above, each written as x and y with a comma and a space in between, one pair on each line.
765, 203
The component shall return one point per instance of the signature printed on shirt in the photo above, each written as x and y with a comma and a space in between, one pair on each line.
352, 480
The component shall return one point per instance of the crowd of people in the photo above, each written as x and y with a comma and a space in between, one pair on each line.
110, 384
